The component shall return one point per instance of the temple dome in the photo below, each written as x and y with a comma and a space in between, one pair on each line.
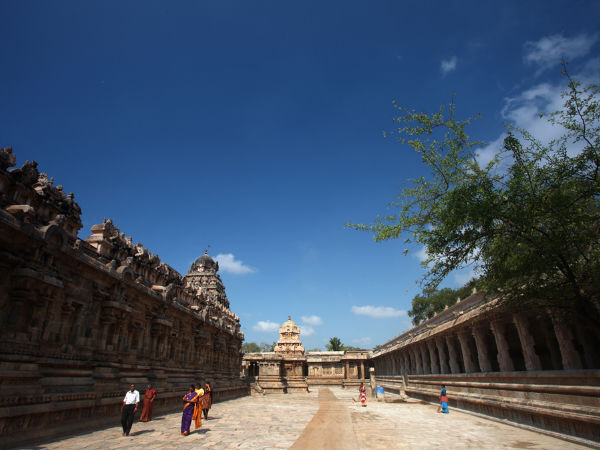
289, 339
205, 260
202, 263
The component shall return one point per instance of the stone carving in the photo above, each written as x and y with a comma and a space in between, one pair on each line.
102, 310
289, 339
7, 158
289, 368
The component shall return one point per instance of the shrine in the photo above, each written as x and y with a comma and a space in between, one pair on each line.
290, 369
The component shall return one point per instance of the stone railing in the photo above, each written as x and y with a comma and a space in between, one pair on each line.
560, 401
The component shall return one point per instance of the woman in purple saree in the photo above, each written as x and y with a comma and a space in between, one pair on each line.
190, 401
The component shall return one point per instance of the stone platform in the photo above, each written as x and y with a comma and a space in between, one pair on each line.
290, 421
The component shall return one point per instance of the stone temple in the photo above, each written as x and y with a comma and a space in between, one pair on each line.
290, 369
81, 319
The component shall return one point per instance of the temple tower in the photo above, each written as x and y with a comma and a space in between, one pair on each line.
289, 342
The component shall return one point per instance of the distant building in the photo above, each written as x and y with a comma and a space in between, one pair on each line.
290, 369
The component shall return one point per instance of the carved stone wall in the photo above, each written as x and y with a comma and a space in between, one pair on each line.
82, 319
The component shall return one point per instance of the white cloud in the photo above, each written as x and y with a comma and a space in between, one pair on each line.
421, 254
448, 65
525, 108
312, 320
487, 153
378, 312
549, 51
366, 341
307, 330
228, 263
464, 276
265, 326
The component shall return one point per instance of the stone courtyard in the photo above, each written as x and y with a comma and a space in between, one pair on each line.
324, 418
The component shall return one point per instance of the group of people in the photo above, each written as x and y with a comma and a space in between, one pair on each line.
443, 408
196, 402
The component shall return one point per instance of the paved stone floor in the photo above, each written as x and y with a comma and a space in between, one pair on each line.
278, 421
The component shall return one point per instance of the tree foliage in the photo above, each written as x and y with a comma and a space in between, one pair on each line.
529, 220
250, 347
253, 347
432, 301
335, 344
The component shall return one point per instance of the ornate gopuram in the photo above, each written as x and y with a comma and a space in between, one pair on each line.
533, 367
290, 369
82, 319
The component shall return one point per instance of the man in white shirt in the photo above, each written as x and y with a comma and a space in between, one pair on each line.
129, 408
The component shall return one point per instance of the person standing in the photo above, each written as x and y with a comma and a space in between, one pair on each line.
363, 394
149, 397
129, 408
443, 400
197, 410
190, 406
206, 400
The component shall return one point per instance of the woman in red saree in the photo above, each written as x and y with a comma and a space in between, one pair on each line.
190, 409
363, 395
149, 397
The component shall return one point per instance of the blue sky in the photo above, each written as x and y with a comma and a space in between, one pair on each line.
256, 128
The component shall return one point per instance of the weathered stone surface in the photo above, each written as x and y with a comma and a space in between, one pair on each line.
81, 319
501, 362
290, 369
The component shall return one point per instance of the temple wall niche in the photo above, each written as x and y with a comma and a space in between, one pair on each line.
80, 319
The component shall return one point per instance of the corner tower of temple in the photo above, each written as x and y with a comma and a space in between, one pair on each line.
289, 342
205, 281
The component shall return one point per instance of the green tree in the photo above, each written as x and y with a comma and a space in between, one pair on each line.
432, 301
266, 347
335, 344
250, 347
532, 230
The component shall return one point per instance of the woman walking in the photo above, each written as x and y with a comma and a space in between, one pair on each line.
206, 400
363, 394
443, 400
190, 406
149, 397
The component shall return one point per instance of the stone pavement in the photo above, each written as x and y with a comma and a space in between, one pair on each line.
279, 421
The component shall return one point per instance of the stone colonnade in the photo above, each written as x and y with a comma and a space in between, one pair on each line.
492, 342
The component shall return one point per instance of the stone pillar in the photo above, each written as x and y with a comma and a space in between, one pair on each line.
483, 356
433, 360
532, 360
425, 358
504, 360
590, 353
545, 322
418, 364
442, 355
347, 370
470, 365
564, 336
453, 354
362, 370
